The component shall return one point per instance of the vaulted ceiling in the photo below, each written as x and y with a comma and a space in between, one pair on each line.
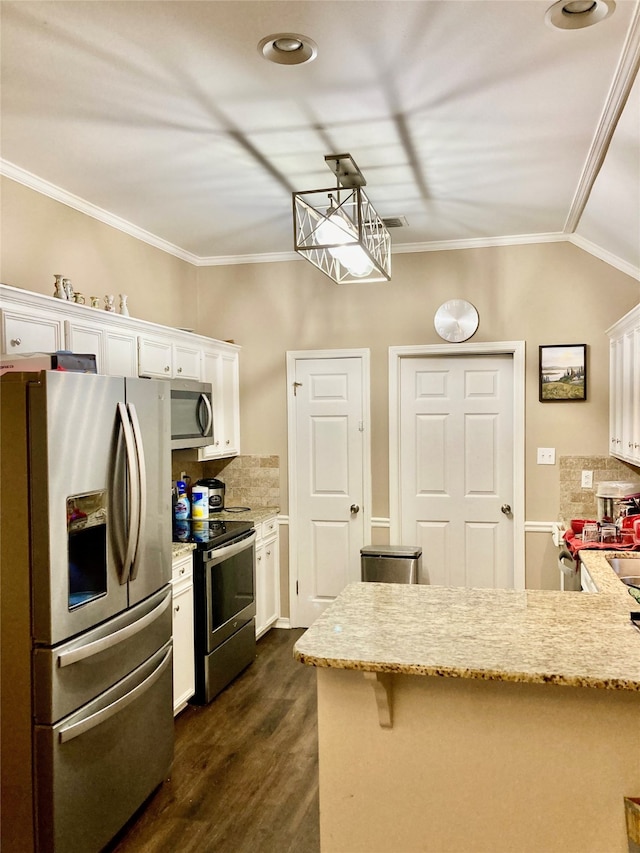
475, 120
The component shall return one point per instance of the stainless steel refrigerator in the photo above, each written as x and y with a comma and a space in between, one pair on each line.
86, 651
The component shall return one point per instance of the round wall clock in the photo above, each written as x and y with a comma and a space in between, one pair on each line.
456, 320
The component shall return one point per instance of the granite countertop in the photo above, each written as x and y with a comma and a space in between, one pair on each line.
256, 514
181, 549
539, 636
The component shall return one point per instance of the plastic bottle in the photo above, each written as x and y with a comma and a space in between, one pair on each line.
182, 506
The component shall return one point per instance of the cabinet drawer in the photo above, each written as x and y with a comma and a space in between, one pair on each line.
182, 569
269, 527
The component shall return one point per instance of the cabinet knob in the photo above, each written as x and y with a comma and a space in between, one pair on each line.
167, 369
228, 441
182, 571
259, 557
268, 553
179, 370
177, 607
15, 342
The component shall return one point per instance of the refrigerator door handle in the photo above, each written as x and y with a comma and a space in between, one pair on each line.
142, 488
97, 646
134, 498
207, 404
72, 731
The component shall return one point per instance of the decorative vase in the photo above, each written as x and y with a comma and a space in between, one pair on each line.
95, 301
68, 288
59, 292
124, 310
108, 302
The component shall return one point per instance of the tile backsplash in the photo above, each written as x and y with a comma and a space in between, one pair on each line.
251, 480
576, 502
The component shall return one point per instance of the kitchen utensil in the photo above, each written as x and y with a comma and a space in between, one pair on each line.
216, 493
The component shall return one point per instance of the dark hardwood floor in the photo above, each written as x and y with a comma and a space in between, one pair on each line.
245, 773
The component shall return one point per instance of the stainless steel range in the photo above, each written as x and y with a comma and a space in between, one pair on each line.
224, 602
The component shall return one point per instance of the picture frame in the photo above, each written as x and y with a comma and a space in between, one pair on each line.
562, 373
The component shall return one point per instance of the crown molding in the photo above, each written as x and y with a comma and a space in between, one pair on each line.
603, 255
478, 243
621, 86
16, 173
28, 179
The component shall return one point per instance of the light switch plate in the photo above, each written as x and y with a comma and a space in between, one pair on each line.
546, 456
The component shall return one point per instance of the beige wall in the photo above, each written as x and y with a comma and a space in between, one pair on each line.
40, 237
542, 294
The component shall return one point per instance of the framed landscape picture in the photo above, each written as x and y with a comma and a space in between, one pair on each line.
563, 373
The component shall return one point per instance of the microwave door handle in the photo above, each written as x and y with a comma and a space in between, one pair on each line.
207, 404
142, 488
72, 731
134, 501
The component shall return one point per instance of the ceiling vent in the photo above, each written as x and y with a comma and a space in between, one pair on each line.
395, 221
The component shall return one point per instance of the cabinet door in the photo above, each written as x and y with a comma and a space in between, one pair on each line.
187, 362
220, 368
183, 644
635, 402
121, 353
267, 581
23, 333
155, 357
231, 403
615, 390
86, 337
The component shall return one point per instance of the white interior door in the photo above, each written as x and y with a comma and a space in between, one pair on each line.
457, 492
329, 477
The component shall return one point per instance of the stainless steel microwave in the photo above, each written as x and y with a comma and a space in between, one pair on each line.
191, 414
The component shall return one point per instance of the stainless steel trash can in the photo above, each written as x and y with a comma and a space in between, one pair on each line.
391, 564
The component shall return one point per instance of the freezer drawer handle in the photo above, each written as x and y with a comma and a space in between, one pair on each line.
134, 482
142, 487
90, 649
75, 729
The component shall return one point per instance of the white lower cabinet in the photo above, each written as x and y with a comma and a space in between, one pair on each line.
267, 575
183, 649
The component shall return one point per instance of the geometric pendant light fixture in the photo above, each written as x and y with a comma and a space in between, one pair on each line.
338, 229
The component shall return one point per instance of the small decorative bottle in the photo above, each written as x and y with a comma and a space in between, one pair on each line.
59, 292
108, 302
124, 310
95, 301
68, 288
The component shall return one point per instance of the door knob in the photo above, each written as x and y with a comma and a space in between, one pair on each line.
355, 509
506, 509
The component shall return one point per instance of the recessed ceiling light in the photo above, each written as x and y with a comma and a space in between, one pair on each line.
288, 48
576, 14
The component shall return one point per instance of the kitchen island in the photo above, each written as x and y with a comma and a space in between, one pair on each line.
477, 720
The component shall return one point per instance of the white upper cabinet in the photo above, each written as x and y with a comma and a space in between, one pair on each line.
30, 331
221, 369
126, 346
163, 358
624, 388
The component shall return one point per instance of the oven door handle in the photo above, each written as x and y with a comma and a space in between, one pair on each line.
217, 555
